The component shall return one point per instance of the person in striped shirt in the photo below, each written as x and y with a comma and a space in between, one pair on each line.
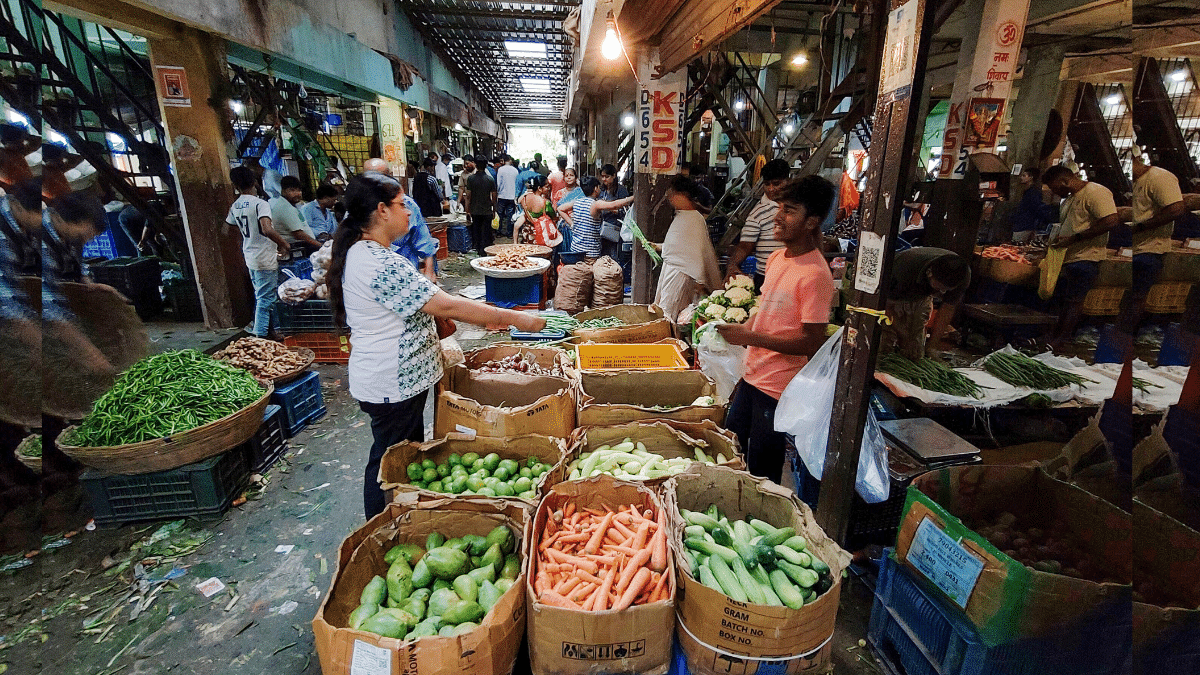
584, 213
758, 233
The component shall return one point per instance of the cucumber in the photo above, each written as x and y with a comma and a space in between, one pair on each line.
722, 536
803, 576
713, 512
753, 591
778, 536
703, 520
793, 556
764, 554
694, 564
762, 526
746, 553
786, 590
796, 543
694, 531
743, 531
764, 581
707, 578
819, 565
710, 549
724, 576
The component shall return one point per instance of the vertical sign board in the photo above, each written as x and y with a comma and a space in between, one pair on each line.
899, 52
391, 135
173, 86
660, 124
979, 104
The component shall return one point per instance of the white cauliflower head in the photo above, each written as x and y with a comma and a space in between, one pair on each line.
740, 281
753, 311
736, 315
719, 298
714, 311
739, 297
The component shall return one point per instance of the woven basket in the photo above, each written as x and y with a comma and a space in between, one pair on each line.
34, 463
309, 357
171, 452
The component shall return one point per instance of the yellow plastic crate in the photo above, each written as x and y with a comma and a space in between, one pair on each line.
1168, 298
630, 356
1103, 301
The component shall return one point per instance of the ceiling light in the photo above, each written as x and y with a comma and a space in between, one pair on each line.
738, 105
571, 144
547, 107
458, 127
525, 50
17, 118
535, 85
1113, 99
799, 59
627, 120
1179, 75
55, 137
237, 107
789, 128
611, 47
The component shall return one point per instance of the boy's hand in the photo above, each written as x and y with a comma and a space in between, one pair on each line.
735, 333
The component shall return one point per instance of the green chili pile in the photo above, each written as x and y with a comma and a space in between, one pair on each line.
166, 394
1021, 371
929, 374
32, 447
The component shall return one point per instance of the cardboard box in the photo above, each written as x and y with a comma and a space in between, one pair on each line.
489, 650
500, 405
669, 438
643, 323
620, 396
1086, 461
1008, 601
1181, 265
745, 629
545, 357
393, 469
570, 642
1165, 553
1115, 270
704, 659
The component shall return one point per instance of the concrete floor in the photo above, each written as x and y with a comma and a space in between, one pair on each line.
260, 623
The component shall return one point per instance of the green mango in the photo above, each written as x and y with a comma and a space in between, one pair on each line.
491, 462
503, 536
361, 614
423, 629
476, 561
479, 545
414, 606
399, 582
421, 576
493, 557
447, 631
512, 567
464, 628
480, 574
489, 595
462, 612
504, 584
375, 592
401, 614
434, 540
457, 543
466, 588
440, 584
486, 491
447, 563
411, 552
441, 600
386, 625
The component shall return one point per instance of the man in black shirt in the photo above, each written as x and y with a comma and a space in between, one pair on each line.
922, 277
427, 191
480, 202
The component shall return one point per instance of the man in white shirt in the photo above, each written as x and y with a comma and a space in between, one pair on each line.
443, 175
758, 235
318, 214
1157, 202
260, 244
506, 195
286, 217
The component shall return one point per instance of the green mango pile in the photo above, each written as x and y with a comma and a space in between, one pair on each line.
445, 589
471, 474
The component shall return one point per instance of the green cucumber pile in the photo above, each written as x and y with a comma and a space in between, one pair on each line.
930, 375
628, 460
1021, 371
470, 474
753, 561
166, 394
445, 589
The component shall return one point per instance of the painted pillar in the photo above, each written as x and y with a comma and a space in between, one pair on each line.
196, 124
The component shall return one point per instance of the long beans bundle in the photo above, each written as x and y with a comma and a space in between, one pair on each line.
929, 374
1144, 385
570, 323
1021, 371
166, 394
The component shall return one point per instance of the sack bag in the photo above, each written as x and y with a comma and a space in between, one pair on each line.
718, 359
608, 288
805, 409
574, 291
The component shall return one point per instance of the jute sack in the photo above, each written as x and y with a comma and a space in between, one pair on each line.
574, 291
609, 286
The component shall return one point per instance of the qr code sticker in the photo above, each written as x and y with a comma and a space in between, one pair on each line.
868, 263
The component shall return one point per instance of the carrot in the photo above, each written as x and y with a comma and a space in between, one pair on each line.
569, 510
636, 564
601, 602
658, 546
596, 512
567, 584
582, 591
593, 545
660, 588
621, 549
634, 590
582, 563
612, 538
575, 538
602, 559
541, 583
547, 543
588, 576
620, 527
556, 600
639, 539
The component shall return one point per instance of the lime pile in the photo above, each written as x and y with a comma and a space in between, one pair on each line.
470, 474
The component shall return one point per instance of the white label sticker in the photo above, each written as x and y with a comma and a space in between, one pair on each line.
465, 430
285, 548
370, 660
1193, 243
210, 587
870, 260
945, 562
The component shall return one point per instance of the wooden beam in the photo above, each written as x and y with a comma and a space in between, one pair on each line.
115, 14
1099, 69
701, 25
1164, 42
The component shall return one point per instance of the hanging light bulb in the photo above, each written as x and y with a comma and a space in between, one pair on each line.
1179, 75
799, 59
627, 120
611, 47
738, 105
303, 92
789, 128
237, 107
1113, 99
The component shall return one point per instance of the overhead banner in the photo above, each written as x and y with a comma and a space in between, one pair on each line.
660, 123
980, 101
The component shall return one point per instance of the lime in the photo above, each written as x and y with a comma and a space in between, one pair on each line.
436, 486
531, 461
491, 461
475, 483
526, 472
504, 490
502, 473
428, 464
528, 494
511, 465
469, 458
443, 470
522, 484
458, 484
477, 465
454, 459
487, 491
430, 475
415, 471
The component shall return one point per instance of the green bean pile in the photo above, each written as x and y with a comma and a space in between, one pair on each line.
570, 323
929, 374
166, 394
1021, 371
33, 448
1144, 385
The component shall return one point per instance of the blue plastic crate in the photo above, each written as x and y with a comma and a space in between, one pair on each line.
301, 401
270, 441
1176, 347
749, 266
301, 267
915, 633
509, 293
458, 239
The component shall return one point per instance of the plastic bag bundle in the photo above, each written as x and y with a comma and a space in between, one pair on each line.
719, 360
296, 290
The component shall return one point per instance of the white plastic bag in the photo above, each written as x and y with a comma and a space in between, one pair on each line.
295, 290
719, 360
805, 409
321, 258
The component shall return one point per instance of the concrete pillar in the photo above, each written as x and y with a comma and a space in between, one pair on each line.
197, 144
1037, 96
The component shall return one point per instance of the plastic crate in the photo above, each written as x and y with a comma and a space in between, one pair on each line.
138, 279
301, 267
458, 239
915, 633
301, 402
269, 442
1176, 347
202, 490
310, 316
510, 293
327, 347
184, 299
626, 356
443, 249
749, 266
869, 523
1103, 301
1168, 298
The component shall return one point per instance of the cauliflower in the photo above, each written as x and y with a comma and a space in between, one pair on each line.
719, 298
736, 315
714, 311
753, 311
739, 297
740, 281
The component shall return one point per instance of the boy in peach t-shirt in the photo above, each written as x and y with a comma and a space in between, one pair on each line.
789, 326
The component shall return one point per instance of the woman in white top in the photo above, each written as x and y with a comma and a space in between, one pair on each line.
390, 308
690, 269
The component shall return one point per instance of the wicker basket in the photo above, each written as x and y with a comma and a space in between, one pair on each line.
1103, 301
1168, 298
309, 357
163, 454
34, 463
